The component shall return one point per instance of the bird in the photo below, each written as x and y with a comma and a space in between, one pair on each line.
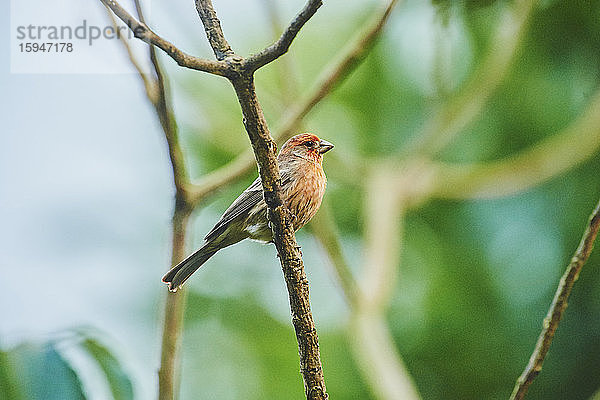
303, 184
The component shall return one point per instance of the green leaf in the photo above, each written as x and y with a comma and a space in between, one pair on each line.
33, 372
118, 380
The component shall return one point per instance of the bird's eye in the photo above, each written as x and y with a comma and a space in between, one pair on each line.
310, 144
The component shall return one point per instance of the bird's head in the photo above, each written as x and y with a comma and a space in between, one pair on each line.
307, 146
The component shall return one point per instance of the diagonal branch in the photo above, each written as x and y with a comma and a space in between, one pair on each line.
287, 78
141, 31
284, 238
281, 46
558, 307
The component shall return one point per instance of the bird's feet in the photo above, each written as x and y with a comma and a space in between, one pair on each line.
293, 217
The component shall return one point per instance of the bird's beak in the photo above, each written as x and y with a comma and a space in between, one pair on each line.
324, 146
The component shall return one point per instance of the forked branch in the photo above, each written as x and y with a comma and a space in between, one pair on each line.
141, 31
333, 74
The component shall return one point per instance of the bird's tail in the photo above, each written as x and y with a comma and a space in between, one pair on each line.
177, 276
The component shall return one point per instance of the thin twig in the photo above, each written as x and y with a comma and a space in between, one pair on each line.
169, 125
558, 307
175, 303
281, 46
328, 80
157, 93
141, 31
149, 84
335, 73
174, 311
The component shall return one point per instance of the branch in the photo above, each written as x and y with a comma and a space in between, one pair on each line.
157, 93
212, 27
281, 46
558, 307
353, 54
174, 312
141, 31
284, 239
373, 344
169, 125
332, 75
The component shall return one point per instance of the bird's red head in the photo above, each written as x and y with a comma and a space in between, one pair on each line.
306, 145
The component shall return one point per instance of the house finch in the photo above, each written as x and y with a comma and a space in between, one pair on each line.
302, 184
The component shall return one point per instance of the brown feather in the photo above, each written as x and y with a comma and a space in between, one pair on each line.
303, 186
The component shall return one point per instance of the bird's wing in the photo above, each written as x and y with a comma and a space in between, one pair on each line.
242, 205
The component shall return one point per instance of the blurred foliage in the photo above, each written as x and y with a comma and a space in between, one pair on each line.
32, 371
43, 374
117, 379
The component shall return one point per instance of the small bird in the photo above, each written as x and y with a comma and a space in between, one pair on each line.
303, 185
